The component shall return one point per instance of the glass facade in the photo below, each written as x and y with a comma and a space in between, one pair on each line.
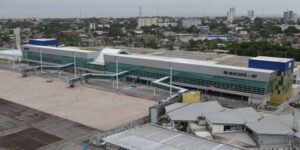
250, 87
188, 79
80, 62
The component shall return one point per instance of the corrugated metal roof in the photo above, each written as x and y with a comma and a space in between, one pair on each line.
269, 126
238, 136
233, 116
227, 116
174, 106
248, 114
191, 112
150, 137
297, 135
285, 119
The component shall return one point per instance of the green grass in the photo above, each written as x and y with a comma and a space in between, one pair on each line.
90, 49
274, 104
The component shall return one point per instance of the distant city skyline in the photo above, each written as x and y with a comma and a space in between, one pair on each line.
130, 8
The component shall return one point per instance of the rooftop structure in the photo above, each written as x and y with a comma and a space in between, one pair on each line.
11, 54
150, 137
191, 112
273, 59
233, 116
240, 138
282, 89
269, 127
44, 42
297, 135
243, 126
54, 55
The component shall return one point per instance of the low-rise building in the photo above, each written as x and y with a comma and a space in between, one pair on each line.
186, 23
145, 22
219, 37
230, 120
243, 127
270, 133
151, 137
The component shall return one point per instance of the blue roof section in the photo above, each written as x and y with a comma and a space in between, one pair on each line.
219, 36
44, 42
270, 63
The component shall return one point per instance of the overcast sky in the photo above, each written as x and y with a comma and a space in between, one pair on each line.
125, 8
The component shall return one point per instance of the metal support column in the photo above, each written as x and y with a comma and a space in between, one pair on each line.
41, 59
171, 78
117, 71
75, 67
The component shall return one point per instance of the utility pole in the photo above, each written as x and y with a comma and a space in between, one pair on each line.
140, 9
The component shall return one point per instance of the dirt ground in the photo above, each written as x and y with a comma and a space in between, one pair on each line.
100, 109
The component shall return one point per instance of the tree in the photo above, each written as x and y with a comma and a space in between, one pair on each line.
115, 30
5, 38
291, 30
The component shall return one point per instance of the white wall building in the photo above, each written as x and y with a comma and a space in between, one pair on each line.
144, 22
190, 22
92, 26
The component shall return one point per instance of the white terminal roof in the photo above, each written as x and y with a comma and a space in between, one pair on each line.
191, 62
11, 52
193, 66
151, 137
274, 59
100, 57
60, 48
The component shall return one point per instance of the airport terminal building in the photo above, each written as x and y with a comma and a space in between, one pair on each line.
255, 84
